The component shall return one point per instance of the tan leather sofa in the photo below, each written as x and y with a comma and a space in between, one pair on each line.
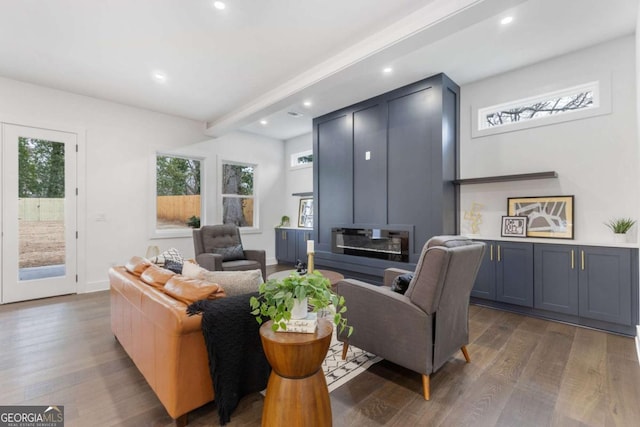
165, 344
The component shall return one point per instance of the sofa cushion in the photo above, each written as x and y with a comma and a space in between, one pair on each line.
401, 283
230, 253
136, 265
174, 266
189, 290
170, 254
235, 282
156, 276
192, 270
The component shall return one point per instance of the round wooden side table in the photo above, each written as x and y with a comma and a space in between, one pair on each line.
297, 393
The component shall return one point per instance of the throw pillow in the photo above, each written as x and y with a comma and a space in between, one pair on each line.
401, 283
192, 270
231, 253
191, 290
235, 282
174, 266
156, 276
136, 265
168, 255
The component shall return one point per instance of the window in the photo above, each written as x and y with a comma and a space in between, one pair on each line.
178, 189
238, 194
302, 159
571, 103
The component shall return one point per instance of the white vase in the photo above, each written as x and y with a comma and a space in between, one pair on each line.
299, 310
620, 237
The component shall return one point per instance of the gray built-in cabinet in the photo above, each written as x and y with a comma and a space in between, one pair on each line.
385, 162
506, 273
588, 285
291, 244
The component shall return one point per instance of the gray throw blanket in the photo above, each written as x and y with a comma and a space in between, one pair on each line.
237, 362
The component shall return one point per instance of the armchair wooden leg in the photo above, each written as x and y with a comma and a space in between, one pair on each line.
425, 387
345, 348
465, 353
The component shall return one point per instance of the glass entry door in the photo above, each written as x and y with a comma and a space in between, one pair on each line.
38, 213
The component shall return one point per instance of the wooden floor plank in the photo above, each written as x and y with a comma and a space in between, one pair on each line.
523, 372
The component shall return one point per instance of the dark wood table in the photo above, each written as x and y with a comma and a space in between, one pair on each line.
297, 393
333, 276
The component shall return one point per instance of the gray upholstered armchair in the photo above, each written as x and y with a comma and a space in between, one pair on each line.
423, 328
219, 247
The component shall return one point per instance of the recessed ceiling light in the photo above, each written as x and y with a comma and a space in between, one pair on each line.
307, 104
264, 122
159, 76
506, 20
219, 5
387, 70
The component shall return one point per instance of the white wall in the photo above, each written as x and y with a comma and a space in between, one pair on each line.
268, 155
596, 158
299, 180
120, 143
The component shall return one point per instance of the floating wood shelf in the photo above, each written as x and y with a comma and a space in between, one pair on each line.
506, 178
305, 194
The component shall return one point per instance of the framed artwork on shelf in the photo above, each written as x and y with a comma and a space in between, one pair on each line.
305, 213
514, 226
547, 216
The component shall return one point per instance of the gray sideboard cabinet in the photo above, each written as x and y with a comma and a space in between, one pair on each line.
291, 244
592, 286
286, 245
556, 270
606, 286
506, 273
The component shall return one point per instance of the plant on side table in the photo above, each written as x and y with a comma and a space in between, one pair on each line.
276, 299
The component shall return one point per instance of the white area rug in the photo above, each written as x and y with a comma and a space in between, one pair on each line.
338, 371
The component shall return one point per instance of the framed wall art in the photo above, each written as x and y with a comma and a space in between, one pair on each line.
514, 226
305, 213
547, 216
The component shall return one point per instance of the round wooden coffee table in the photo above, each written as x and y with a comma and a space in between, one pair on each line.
297, 393
333, 276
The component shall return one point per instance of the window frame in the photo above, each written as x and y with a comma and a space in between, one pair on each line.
293, 164
600, 86
157, 233
256, 208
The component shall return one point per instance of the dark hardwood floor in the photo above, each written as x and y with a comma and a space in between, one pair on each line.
523, 372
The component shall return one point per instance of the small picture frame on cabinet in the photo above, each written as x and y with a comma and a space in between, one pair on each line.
514, 226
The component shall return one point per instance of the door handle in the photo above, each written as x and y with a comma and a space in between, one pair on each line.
498, 253
582, 256
573, 259
491, 252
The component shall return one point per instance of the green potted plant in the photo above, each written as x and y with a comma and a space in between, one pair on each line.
277, 298
620, 227
284, 221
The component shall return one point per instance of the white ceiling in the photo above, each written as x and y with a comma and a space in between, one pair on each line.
259, 59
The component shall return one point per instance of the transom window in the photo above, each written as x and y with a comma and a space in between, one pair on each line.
302, 159
238, 194
555, 103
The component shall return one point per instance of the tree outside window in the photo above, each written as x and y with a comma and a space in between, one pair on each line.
238, 194
178, 189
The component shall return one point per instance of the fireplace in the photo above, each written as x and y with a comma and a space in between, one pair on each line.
391, 245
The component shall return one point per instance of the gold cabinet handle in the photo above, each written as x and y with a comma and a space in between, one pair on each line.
498, 253
582, 256
284, 235
573, 260
491, 252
